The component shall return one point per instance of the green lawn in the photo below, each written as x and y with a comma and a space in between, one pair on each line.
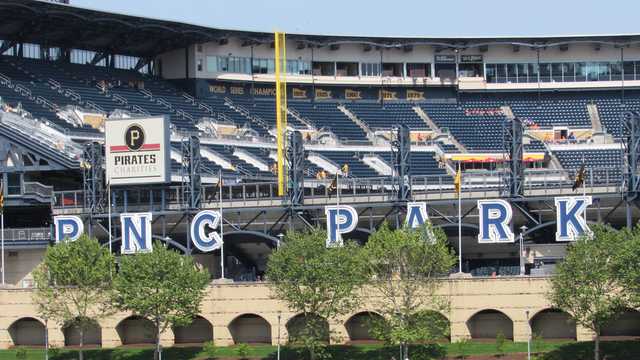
552, 351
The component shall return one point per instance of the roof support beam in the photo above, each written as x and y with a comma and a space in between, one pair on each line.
142, 62
6, 45
99, 56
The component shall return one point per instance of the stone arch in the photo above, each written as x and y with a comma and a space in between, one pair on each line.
487, 324
627, 325
198, 332
553, 324
27, 331
92, 334
250, 329
136, 330
300, 324
358, 326
440, 323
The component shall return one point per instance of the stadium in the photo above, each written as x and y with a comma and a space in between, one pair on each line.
375, 123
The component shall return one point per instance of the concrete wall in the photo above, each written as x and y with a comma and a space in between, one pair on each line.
226, 302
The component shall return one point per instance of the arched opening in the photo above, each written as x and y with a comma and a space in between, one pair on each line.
27, 332
136, 330
626, 325
250, 329
246, 254
359, 327
436, 326
92, 334
198, 332
487, 324
553, 324
301, 326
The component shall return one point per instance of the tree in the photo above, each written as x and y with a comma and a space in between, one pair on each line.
315, 281
162, 286
628, 265
406, 266
73, 284
586, 285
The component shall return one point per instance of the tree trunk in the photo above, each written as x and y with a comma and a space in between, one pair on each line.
80, 352
596, 352
158, 355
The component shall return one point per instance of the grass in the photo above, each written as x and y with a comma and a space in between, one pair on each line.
620, 350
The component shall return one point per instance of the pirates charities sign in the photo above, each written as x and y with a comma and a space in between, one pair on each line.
137, 150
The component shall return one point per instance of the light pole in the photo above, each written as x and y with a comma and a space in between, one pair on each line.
528, 336
523, 229
280, 237
279, 317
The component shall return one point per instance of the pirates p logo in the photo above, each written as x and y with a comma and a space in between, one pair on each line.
134, 137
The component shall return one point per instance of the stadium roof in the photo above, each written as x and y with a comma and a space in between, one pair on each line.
60, 25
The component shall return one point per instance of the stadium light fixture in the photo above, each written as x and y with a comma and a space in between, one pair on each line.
523, 229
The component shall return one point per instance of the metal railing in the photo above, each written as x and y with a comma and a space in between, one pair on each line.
38, 189
27, 234
120, 99
379, 189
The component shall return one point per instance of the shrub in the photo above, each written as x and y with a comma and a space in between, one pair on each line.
462, 346
242, 350
21, 354
209, 349
500, 341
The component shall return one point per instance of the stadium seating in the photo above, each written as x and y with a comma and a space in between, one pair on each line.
392, 114
475, 132
327, 115
356, 167
605, 164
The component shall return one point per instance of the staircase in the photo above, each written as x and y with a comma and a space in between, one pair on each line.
378, 164
596, 125
370, 134
293, 112
432, 125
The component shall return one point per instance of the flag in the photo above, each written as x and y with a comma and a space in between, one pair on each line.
579, 179
457, 181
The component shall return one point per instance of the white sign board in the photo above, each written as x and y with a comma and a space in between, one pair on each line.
138, 150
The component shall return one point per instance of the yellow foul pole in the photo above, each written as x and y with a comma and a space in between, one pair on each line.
281, 107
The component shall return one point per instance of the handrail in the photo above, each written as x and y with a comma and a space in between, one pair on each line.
189, 98
120, 99
54, 84
94, 106
22, 234
184, 114
48, 104
5, 79
23, 90
73, 95
164, 102
146, 93
546, 182
37, 188
205, 107
139, 110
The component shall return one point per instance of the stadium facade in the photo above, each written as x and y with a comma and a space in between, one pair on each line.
521, 117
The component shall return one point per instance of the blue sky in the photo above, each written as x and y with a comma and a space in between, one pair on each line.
394, 17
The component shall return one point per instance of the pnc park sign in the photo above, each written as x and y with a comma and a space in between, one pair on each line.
494, 224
